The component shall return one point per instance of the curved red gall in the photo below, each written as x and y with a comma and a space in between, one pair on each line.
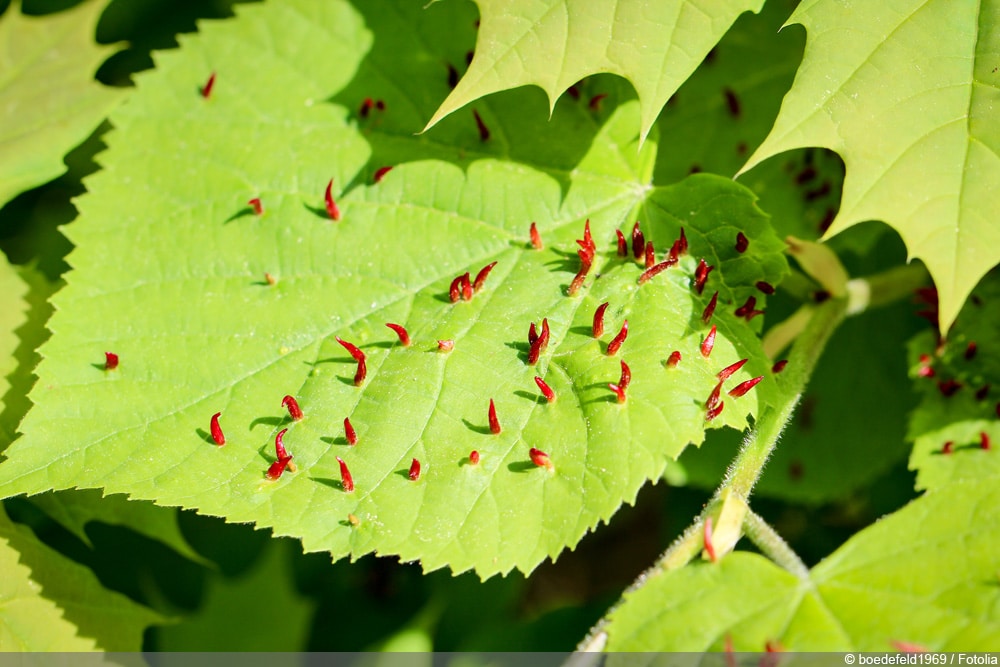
331, 206
714, 412
494, 422
765, 287
110, 361
536, 237
970, 350
595, 102
618, 390
617, 341
217, 435
473, 457
206, 90
455, 290
537, 347
366, 106
446, 345
779, 366
404, 336
626, 376
713, 399
650, 255
982, 392
276, 469
349, 432
540, 458
743, 387
706, 315
622, 244
466, 283
294, 411
546, 390
984, 440
708, 343
270, 280
484, 272
730, 370
656, 270
701, 275
380, 174
674, 359
638, 242
949, 387
414, 473
682, 244
532, 334
256, 205
484, 132
346, 481
948, 447
598, 326
352, 349
361, 373
279, 445
742, 242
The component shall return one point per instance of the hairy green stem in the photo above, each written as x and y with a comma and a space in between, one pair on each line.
770, 543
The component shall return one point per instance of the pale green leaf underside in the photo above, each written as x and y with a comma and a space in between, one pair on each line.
907, 94
199, 331
231, 617
552, 44
42, 591
873, 591
73, 510
12, 315
49, 101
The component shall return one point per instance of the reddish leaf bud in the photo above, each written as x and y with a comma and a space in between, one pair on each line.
707, 534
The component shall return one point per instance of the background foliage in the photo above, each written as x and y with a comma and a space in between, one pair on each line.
168, 270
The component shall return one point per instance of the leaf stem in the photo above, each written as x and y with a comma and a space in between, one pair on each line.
767, 539
749, 463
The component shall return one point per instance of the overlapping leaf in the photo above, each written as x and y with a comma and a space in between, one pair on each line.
555, 43
48, 96
954, 429
169, 274
50, 603
872, 594
12, 316
913, 115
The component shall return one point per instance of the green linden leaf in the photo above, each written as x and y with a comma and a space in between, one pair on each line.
49, 99
50, 603
921, 146
230, 617
12, 315
553, 44
199, 331
73, 510
958, 385
869, 595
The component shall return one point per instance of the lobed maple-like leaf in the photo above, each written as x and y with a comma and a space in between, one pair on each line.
554, 43
49, 100
169, 274
873, 594
906, 94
